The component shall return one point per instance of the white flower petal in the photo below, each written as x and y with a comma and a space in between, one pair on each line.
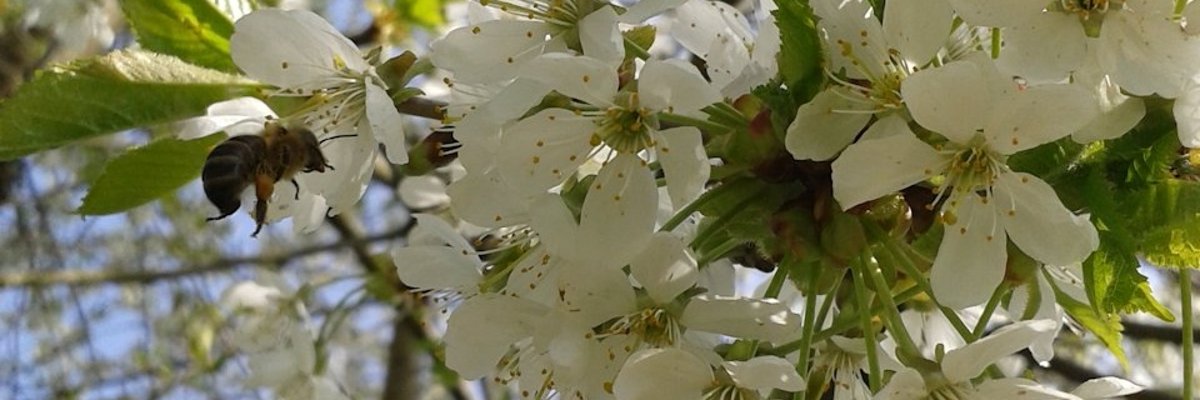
749, 318
698, 23
487, 201
1124, 114
1187, 113
600, 38
250, 295
954, 100
1045, 48
765, 373
308, 213
726, 58
386, 125
442, 231
1019, 389
555, 226
240, 116
645, 9
589, 79
353, 161
684, 163
543, 150
763, 66
505, 319
1043, 348
1106, 387
1191, 14
618, 213
535, 276
918, 29
675, 86
490, 51
437, 267
665, 268
291, 49
1148, 53
997, 14
1039, 224
970, 260
961, 365
656, 374
904, 385
594, 295
873, 168
827, 124
1024, 119
860, 48
423, 192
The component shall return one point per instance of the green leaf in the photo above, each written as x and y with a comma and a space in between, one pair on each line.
1113, 282
147, 173
1106, 327
193, 30
800, 54
642, 37
119, 91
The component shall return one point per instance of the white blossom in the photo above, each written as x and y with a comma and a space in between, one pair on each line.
985, 117
300, 53
868, 63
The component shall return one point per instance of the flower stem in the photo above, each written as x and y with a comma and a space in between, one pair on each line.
683, 120
864, 320
989, 309
691, 208
776, 284
842, 324
891, 313
721, 223
828, 303
995, 43
708, 255
1185, 297
893, 250
810, 320
725, 111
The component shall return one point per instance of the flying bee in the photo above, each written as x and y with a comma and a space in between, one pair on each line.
279, 153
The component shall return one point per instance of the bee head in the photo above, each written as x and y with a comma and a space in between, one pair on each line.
315, 159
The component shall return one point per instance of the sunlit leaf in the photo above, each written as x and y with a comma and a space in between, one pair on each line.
147, 173
800, 54
193, 30
119, 91
1106, 327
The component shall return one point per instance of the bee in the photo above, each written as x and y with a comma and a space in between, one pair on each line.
263, 160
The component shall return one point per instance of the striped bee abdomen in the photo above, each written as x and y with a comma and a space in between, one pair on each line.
229, 169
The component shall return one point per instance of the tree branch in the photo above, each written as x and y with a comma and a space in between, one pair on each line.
1075, 372
1162, 333
79, 277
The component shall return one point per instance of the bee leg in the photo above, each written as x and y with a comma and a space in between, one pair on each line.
297, 186
219, 217
264, 186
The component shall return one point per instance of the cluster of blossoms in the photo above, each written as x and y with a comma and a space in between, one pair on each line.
587, 163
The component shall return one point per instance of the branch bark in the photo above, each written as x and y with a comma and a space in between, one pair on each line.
1162, 333
81, 277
